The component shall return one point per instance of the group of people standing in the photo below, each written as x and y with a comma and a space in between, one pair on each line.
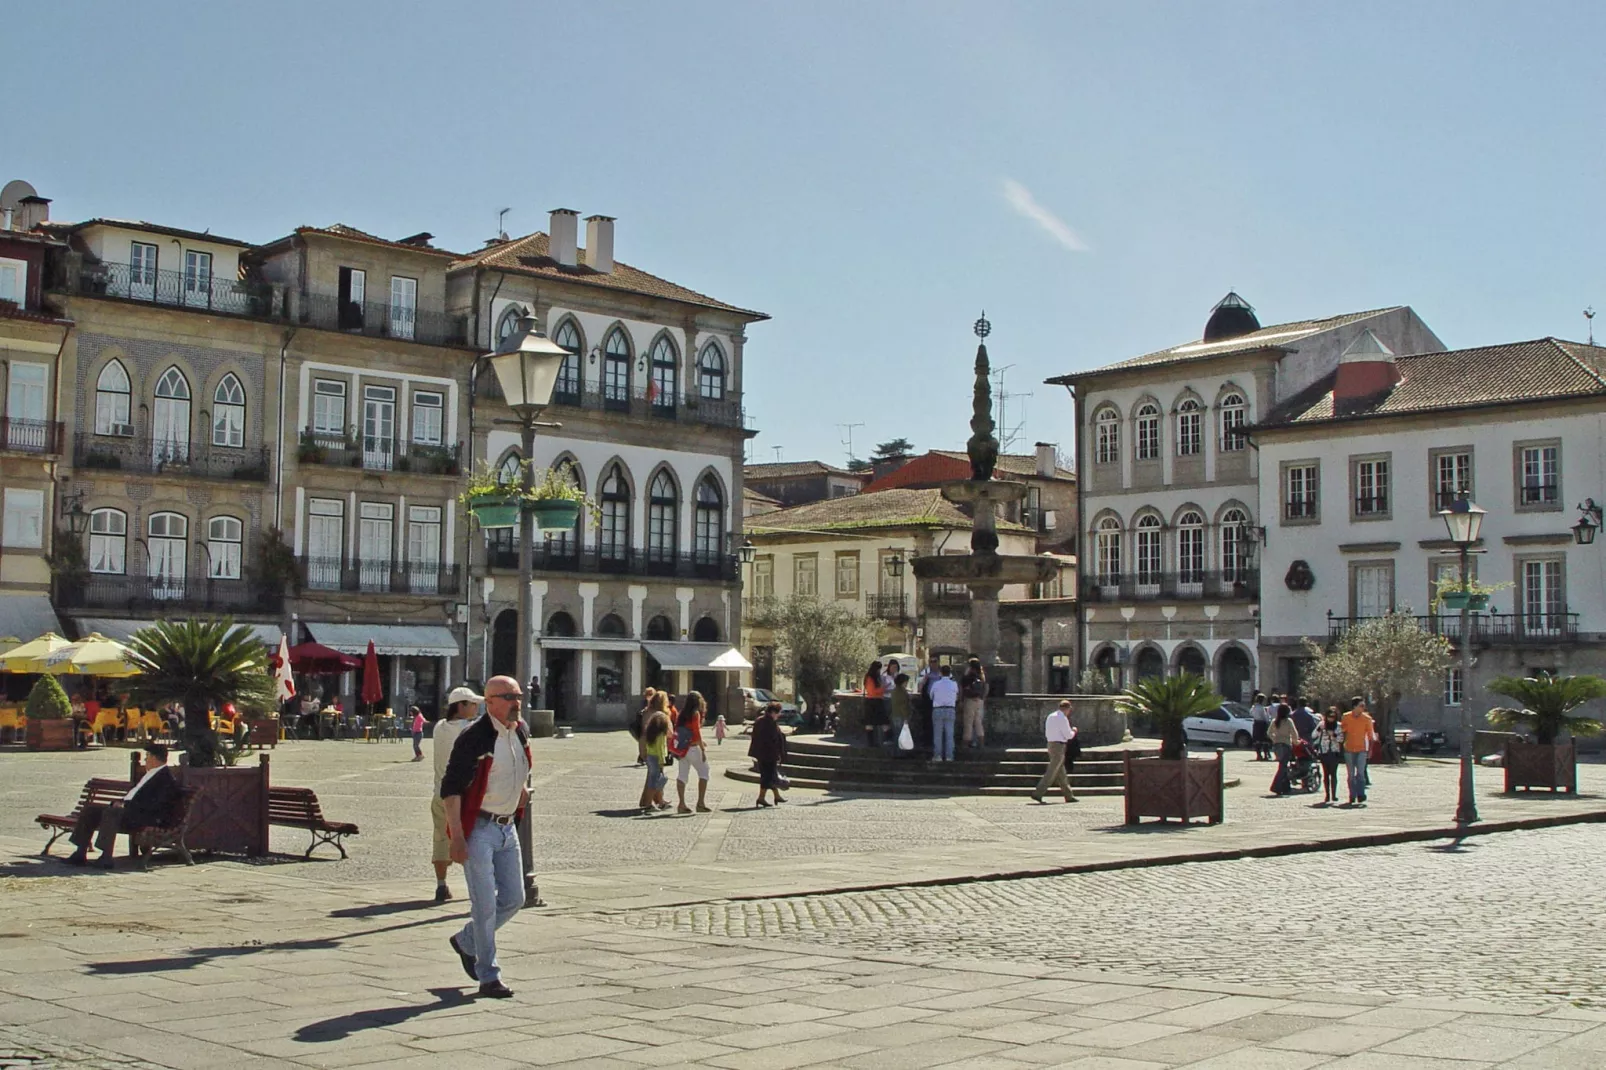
943, 701
1282, 728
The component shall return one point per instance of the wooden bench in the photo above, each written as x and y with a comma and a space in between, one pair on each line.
298, 808
102, 791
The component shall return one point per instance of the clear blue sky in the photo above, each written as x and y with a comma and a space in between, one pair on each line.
873, 175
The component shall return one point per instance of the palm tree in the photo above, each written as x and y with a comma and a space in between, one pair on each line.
201, 664
1548, 702
1167, 702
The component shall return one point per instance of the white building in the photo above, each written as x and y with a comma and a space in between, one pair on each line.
1169, 486
1356, 467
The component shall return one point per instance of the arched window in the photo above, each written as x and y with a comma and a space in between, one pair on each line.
711, 373
170, 418
706, 630
566, 543
508, 321
709, 531
112, 401
613, 536
665, 377
1147, 549
108, 541
228, 413
660, 629
567, 389
1190, 435
616, 371
612, 626
1107, 446
1107, 551
561, 624
1149, 664
1234, 415
223, 547
168, 549
508, 472
1190, 547
1233, 523
1191, 659
1148, 432
663, 505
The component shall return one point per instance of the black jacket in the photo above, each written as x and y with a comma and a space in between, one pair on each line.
769, 742
469, 768
155, 803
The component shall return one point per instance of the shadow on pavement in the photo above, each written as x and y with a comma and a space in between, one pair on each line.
375, 910
346, 1024
1150, 827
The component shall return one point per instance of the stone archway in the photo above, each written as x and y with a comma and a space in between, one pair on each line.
1234, 674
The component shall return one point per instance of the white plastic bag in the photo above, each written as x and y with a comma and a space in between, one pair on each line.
906, 738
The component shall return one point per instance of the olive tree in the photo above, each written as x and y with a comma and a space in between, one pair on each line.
1382, 659
816, 644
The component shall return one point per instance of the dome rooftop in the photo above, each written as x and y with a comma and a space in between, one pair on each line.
1231, 318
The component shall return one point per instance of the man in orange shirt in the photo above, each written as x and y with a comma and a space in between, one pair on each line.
1358, 731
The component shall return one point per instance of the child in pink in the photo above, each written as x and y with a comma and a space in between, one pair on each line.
719, 729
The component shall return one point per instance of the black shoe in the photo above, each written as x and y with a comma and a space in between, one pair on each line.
443, 894
764, 804
496, 990
77, 858
466, 959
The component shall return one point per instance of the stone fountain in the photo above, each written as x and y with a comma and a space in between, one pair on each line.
984, 570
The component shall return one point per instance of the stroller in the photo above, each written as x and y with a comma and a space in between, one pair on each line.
1304, 771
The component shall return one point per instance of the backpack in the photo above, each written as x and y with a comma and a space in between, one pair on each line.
679, 743
975, 687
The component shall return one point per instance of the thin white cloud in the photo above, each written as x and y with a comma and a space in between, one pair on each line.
1021, 200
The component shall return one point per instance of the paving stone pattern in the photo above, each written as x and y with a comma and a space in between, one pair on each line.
23, 1048
1500, 918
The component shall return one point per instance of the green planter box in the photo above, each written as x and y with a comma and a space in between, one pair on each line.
1459, 599
494, 511
555, 514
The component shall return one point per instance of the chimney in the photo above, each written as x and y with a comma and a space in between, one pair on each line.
35, 210
1366, 370
1048, 462
563, 236
599, 243
5, 218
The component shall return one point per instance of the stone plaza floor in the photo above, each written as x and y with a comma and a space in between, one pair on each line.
837, 930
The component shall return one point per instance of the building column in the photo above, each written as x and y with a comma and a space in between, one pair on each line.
536, 595
588, 598
587, 669
638, 598
684, 595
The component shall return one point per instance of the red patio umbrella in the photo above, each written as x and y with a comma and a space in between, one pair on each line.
372, 690
315, 659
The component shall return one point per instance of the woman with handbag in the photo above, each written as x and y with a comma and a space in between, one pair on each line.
769, 750
689, 748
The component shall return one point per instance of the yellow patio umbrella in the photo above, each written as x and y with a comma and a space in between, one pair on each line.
30, 656
93, 655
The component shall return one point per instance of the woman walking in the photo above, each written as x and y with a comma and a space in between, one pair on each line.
418, 732
1260, 721
973, 694
462, 707
655, 742
1329, 742
769, 750
638, 721
1283, 734
693, 753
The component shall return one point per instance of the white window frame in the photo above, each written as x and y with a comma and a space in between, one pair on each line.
1191, 548
113, 407
1453, 692
1107, 551
1107, 436
1148, 550
1453, 473
197, 277
429, 417
403, 307
225, 536
1190, 428
143, 260
14, 281
1371, 498
1234, 415
329, 399
1542, 462
108, 542
24, 523
1301, 485
1146, 436
806, 566
764, 576
228, 416
847, 575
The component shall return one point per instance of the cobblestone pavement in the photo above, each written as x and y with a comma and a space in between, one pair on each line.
24, 1048
1495, 919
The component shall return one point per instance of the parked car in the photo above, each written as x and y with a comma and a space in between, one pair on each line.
1229, 724
1417, 740
756, 698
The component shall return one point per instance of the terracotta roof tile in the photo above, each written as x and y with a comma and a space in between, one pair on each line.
785, 469
884, 509
341, 230
153, 228
529, 255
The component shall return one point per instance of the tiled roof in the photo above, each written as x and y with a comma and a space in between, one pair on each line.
1014, 464
940, 466
1280, 334
1542, 369
883, 509
786, 469
340, 230
751, 495
530, 256
153, 228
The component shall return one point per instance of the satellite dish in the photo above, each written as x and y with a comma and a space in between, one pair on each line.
14, 192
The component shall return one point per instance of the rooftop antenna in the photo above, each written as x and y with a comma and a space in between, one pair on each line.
777, 450
500, 216
1007, 435
847, 429
1589, 317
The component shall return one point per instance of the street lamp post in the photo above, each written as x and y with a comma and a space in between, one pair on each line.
1464, 521
527, 363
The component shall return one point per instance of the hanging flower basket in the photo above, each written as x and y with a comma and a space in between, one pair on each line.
495, 510
1459, 599
554, 514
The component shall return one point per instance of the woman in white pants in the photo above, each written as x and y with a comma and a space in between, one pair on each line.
689, 736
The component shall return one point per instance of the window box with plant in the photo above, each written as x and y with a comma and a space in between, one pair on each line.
310, 451
1450, 594
553, 502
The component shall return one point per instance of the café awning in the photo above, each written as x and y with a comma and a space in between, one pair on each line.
123, 630
410, 640
24, 617
697, 657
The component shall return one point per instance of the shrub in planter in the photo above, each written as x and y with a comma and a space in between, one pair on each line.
1548, 705
553, 501
1172, 785
49, 714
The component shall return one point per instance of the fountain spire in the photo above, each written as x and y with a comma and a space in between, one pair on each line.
983, 444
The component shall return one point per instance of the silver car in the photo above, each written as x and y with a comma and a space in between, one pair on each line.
1229, 725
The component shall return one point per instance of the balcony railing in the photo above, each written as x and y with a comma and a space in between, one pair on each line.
178, 289
31, 436
1172, 586
1540, 493
892, 607
381, 319
378, 454
1299, 509
553, 556
685, 406
1376, 505
1488, 629
377, 576
162, 593
147, 456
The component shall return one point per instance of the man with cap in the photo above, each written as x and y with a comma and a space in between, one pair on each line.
485, 788
462, 706
148, 803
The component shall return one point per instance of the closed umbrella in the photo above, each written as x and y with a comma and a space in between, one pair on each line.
372, 690
30, 656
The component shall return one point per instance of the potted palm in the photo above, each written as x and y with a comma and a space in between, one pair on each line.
49, 713
1548, 705
1172, 784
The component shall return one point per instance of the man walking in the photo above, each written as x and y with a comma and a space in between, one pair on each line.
149, 802
944, 691
1063, 748
485, 789
1359, 731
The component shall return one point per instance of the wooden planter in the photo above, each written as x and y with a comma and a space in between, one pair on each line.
230, 812
1542, 765
1181, 788
264, 732
49, 735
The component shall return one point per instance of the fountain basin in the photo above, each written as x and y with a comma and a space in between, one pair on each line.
987, 569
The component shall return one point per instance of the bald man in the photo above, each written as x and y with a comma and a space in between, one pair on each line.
485, 788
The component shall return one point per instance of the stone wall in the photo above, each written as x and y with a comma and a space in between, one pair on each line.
1013, 721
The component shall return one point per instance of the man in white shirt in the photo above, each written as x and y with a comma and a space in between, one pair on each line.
1059, 733
462, 706
944, 692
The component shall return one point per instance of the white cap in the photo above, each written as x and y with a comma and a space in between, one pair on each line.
463, 694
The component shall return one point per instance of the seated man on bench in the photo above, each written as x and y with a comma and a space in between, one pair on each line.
149, 802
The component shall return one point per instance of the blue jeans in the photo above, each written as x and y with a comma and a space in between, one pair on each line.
942, 732
1355, 764
495, 877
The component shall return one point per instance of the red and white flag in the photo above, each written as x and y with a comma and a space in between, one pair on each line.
287, 683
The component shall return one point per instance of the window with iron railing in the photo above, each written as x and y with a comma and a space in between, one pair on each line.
1300, 483
1540, 475
1371, 482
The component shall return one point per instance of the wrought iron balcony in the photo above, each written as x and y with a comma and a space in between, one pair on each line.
178, 289
146, 456
682, 406
1488, 629
31, 436
381, 319
376, 454
559, 556
1242, 584
893, 607
161, 594
382, 576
